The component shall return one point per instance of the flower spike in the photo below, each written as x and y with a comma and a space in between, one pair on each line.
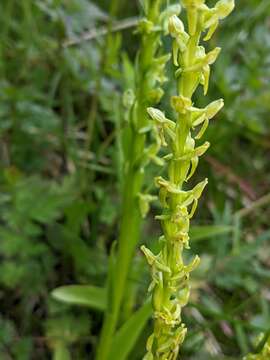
170, 286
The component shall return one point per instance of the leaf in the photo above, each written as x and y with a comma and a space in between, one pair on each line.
198, 233
84, 295
128, 334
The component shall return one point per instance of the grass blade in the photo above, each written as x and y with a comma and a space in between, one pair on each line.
128, 334
83, 295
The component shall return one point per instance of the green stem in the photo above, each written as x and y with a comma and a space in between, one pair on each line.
128, 239
170, 284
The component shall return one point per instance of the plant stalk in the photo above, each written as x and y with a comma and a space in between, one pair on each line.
170, 284
147, 76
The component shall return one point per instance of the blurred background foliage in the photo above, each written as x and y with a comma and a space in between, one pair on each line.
60, 115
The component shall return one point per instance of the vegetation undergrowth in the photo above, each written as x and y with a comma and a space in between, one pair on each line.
64, 132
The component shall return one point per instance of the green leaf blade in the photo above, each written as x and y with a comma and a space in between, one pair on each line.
198, 233
82, 295
129, 333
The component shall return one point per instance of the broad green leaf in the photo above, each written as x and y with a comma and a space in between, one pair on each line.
84, 295
198, 233
128, 334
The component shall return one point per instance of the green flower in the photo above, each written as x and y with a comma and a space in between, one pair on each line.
170, 286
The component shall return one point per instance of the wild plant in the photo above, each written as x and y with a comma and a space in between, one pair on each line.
170, 286
135, 154
146, 91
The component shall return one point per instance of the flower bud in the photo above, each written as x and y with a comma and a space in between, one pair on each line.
194, 263
224, 8
174, 9
202, 62
200, 150
167, 14
183, 297
156, 114
211, 57
198, 189
150, 257
176, 26
213, 108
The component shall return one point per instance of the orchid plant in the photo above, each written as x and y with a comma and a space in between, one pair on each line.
170, 286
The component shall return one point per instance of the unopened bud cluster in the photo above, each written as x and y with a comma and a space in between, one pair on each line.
170, 286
